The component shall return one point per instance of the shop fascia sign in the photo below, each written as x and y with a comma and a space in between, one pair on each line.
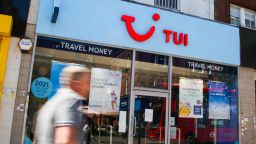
178, 38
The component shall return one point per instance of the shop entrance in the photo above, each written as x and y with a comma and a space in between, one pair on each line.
149, 124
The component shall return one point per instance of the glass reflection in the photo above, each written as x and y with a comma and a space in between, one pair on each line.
217, 119
151, 71
104, 125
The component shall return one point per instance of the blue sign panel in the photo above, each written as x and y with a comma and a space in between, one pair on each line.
41, 87
151, 29
197, 110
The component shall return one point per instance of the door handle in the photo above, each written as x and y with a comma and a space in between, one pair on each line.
134, 126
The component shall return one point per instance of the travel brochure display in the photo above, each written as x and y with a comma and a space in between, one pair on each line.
105, 90
105, 87
219, 107
190, 98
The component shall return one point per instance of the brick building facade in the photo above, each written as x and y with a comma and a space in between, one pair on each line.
247, 75
222, 8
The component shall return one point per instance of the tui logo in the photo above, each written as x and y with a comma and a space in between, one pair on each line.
178, 38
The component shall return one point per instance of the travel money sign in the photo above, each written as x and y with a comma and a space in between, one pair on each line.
178, 38
80, 47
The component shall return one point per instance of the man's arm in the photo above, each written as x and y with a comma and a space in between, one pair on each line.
64, 135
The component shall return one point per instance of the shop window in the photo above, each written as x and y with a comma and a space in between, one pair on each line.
217, 123
110, 75
250, 20
207, 98
235, 15
151, 71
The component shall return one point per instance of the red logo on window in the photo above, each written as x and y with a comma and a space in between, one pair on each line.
178, 38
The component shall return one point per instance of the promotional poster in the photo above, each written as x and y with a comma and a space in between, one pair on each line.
219, 103
105, 90
191, 98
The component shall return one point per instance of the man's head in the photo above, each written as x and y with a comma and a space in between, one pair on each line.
77, 78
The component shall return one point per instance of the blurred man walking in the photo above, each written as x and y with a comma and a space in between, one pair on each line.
62, 120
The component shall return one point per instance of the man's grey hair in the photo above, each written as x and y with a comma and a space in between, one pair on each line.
71, 73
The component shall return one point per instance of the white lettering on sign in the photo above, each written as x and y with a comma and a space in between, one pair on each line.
75, 47
100, 50
202, 66
82, 48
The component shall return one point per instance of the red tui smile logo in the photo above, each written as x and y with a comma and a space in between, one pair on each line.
178, 38
139, 37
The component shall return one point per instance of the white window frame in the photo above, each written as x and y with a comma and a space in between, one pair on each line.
254, 15
243, 11
167, 3
233, 6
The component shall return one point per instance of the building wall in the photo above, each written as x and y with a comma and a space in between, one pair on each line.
9, 90
23, 80
149, 2
200, 8
247, 105
222, 8
246, 80
20, 102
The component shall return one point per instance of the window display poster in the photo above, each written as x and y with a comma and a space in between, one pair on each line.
219, 103
105, 90
56, 69
190, 98
54, 77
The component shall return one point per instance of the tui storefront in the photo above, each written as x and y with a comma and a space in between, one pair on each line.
157, 76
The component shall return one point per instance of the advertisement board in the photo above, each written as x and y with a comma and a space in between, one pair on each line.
191, 98
219, 102
105, 90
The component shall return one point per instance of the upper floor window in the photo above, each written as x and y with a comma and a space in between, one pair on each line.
235, 15
242, 17
172, 4
250, 20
